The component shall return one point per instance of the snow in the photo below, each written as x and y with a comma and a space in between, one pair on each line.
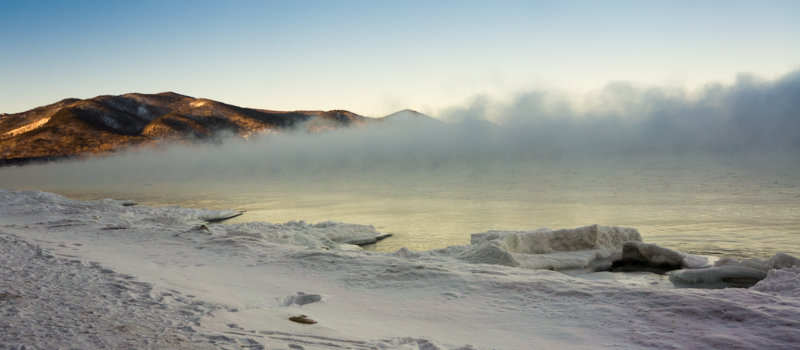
28, 127
198, 103
105, 274
91, 304
785, 282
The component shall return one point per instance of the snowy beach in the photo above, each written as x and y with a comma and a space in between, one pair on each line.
110, 274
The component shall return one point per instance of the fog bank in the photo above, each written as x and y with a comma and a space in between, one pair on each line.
750, 115
622, 123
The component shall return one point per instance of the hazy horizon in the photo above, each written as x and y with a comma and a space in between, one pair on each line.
377, 58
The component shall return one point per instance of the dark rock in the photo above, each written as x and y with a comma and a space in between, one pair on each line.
302, 319
638, 256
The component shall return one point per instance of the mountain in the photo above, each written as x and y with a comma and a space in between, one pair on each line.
104, 124
409, 116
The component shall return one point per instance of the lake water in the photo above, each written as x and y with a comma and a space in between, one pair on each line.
728, 206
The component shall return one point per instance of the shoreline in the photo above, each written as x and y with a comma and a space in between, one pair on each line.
237, 285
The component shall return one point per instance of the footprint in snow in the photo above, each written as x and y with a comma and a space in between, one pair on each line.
301, 299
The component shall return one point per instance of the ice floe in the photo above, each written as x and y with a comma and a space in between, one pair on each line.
729, 272
563, 249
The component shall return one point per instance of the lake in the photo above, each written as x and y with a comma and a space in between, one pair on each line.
721, 206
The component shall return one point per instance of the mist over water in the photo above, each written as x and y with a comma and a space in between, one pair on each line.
715, 171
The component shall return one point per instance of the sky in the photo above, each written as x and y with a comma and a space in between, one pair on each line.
377, 57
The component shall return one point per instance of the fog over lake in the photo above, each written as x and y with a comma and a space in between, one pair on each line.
714, 171
709, 172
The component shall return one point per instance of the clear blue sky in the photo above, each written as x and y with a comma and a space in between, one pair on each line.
375, 57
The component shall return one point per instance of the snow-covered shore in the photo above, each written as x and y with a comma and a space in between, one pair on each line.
104, 274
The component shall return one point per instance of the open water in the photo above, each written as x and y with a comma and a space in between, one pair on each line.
726, 207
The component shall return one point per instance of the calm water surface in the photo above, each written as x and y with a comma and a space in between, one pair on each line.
724, 208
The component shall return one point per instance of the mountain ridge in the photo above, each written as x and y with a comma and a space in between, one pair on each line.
105, 124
